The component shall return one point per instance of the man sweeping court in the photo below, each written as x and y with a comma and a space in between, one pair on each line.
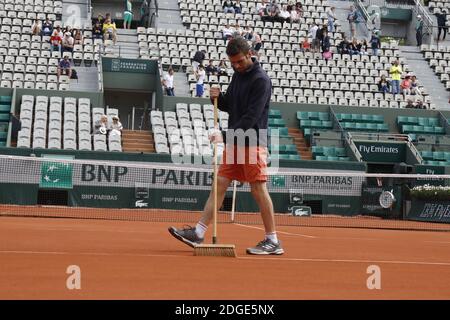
247, 103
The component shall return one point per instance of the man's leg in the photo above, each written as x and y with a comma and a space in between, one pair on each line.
262, 198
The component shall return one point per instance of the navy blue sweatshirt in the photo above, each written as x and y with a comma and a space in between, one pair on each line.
247, 101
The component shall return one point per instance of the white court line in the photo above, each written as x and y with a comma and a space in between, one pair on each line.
282, 232
260, 258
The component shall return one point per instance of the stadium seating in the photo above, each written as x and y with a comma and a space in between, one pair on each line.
419, 125
5, 107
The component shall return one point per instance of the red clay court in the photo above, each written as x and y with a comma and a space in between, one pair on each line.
140, 260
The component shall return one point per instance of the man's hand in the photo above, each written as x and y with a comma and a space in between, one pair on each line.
216, 136
214, 92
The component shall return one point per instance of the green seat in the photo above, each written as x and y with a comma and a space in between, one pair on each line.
417, 129
439, 130
307, 132
360, 126
412, 120
2, 143
406, 128
3, 135
302, 115
382, 127
279, 123
438, 155
324, 116
340, 152
356, 117
327, 124
447, 156
428, 130
332, 158
348, 125
329, 151
282, 132
273, 113
4, 117
321, 158
294, 157
377, 118
426, 155
313, 115
5, 99
401, 120
5, 108
305, 123
372, 127
317, 150
291, 148
344, 159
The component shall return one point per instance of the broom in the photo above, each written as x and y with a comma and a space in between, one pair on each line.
214, 249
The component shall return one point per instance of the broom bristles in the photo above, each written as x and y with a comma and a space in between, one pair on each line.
215, 250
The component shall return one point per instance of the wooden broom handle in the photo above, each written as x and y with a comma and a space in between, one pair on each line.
214, 239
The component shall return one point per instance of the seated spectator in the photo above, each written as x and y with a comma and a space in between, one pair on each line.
97, 31
47, 28
238, 6
312, 33
223, 67
343, 47
294, 15
409, 104
284, 15
115, 127
227, 32
247, 33
256, 42
211, 69
228, 6
363, 47
59, 32
406, 86
198, 58
77, 36
384, 85
273, 10
305, 46
55, 41
109, 30
64, 67
353, 47
299, 9
261, 8
100, 20
237, 30
415, 86
101, 125
167, 82
36, 28
68, 42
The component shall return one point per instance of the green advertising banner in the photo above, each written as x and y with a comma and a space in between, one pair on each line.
431, 170
56, 175
373, 151
129, 65
432, 211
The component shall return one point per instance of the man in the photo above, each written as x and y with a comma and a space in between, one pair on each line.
47, 28
199, 56
352, 17
331, 15
247, 102
145, 13
168, 82
200, 75
396, 75
64, 67
55, 41
441, 21
419, 30
67, 42
211, 69
375, 44
313, 35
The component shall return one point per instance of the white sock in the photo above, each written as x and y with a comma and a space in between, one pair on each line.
272, 237
200, 229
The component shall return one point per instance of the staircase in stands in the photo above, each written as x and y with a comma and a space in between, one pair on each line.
137, 141
299, 139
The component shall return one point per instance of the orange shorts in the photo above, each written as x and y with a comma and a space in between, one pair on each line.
252, 168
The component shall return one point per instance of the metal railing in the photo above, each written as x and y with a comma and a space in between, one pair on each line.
349, 140
428, 23
100, 69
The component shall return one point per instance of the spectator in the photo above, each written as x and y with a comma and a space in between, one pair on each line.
384, 84
116, 127
144, 11
353, 47
409, 104
128, 15
331, 15
261, 8
211, 69
198, 59
227, 32
223, 67
273, 10
415, 86
313, 35
375, 44
47, 28
305, 46
247, 34
441, 21
363, 47
36, 28
109, 30
256, 43
100, 20
284, 15
351, 18
419, 30
376, 23
55, 41
67, 42
59, 32
299, 9
238, 6
237, 30
100, 126
406, 86
200, 75
396, 74
97, 31
228, 7
343, 47
77, 36
167, 82
326, 44
294, 15
64, 67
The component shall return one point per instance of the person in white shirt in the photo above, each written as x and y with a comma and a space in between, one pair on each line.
331, 15
312, 34
284, 15
116, 127
294, 16
200, 75
227, 32
167, 82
